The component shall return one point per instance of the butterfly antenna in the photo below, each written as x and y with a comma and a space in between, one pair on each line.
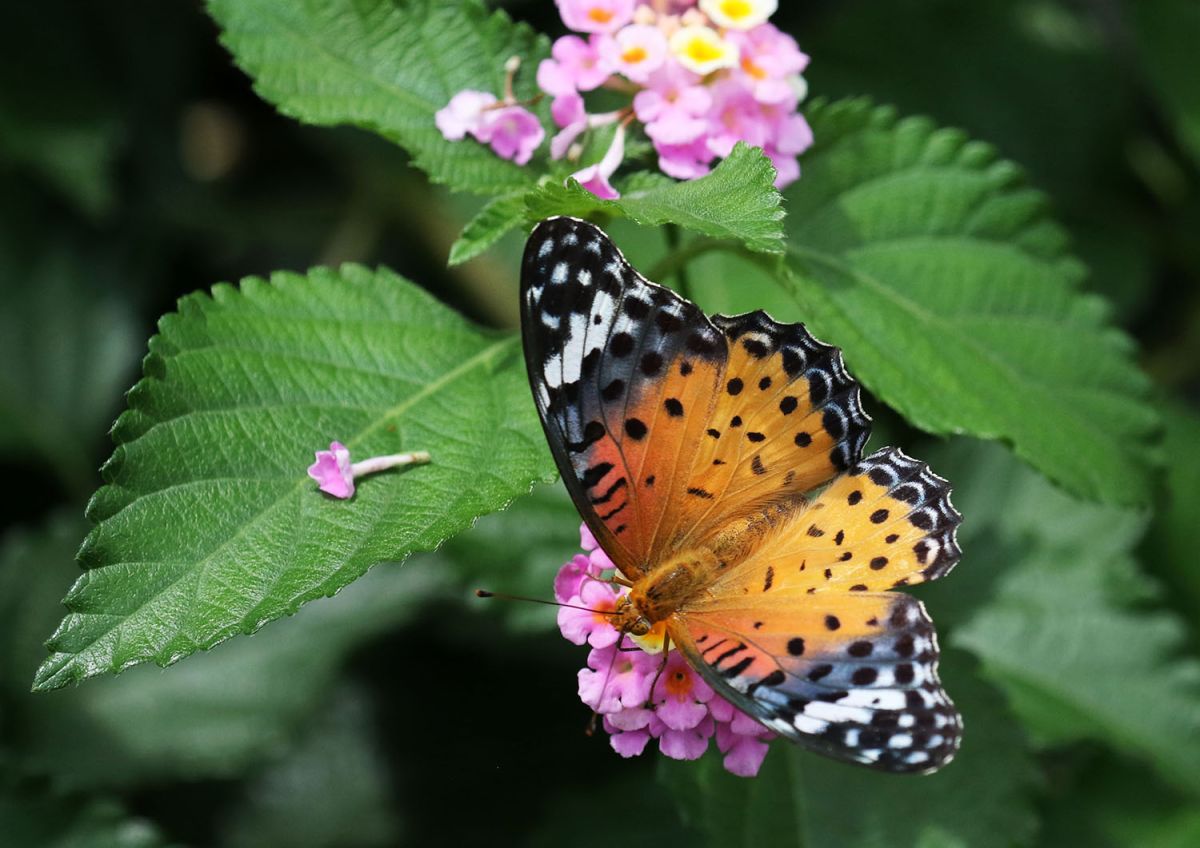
505, 596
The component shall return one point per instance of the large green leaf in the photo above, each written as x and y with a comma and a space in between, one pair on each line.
736, 201
209, 525
386, 66
938, 272
800, 800
1068, 637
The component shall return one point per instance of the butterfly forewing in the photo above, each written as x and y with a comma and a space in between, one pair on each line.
623, 373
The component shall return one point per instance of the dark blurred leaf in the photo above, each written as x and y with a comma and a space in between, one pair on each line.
33, 820
939, 274
388, 67
331, 791
1063, 638
1167, 32
211, 716
737, 200
66, 351
58, 118
1170, 547
517, 551
210, 527
800, 800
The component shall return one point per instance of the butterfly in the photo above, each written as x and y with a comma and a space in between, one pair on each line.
718, 462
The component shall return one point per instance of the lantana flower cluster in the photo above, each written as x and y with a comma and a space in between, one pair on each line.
699, 77
682, 713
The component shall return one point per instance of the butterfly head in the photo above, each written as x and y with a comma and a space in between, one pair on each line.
628, 618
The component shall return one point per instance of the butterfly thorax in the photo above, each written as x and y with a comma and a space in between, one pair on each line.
668, 586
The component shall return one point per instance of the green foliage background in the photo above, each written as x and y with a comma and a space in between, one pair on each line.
997, 224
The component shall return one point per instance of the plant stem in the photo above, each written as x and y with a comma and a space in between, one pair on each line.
679, 267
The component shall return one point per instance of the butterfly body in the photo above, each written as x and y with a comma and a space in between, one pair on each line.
719, 463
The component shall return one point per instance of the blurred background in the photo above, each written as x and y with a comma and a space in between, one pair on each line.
137, 165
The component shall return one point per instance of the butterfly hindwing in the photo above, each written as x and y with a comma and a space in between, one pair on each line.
887, 522
623, 373
853, 676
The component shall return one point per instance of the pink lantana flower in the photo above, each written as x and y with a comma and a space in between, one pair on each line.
512, 130
335, 474
699, 78
463, 115
595, 178
596, 15
674, 106
577, 65
636, 51
682, 713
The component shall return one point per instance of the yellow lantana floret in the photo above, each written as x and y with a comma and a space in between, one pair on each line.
738, 14
701, 49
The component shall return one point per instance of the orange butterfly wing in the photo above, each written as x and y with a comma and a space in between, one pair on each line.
852, 676
623, 374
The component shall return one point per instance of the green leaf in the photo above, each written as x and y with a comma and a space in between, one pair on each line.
950, 291
210, 526
332, 791
66, 351
1171, 540
800, 800
386, 66
490, 225
1062, 637
736, 201
1166, 33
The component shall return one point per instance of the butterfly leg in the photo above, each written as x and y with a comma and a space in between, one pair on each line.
658, 674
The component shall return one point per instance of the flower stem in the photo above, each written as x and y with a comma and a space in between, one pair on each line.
379, 463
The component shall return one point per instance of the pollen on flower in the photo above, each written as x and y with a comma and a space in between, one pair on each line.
682, 714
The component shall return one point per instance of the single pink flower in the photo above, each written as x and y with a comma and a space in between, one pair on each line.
576, 65
569, 580
513, 132
673, 106
335, 475
685, 161
627, 743
744, 753
463, 114
596, 15
736, 116
590, 625
568, 113
680, 697
687, 744
332, 471
616, 680
595, 178
635, 51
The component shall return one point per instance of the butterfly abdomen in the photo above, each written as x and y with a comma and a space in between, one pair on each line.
669, 586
